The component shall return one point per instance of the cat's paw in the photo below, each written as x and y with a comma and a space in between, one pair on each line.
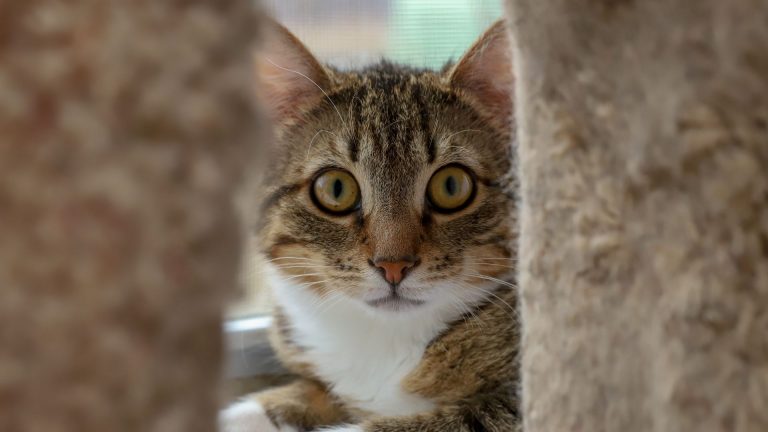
248, 416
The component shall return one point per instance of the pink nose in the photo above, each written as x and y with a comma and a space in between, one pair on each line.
394, 271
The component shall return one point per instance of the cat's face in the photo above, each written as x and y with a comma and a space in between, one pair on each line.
392, 185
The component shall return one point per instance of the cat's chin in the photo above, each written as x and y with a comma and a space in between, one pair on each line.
394, 303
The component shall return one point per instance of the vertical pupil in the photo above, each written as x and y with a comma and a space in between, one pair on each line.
450, 185
338, 188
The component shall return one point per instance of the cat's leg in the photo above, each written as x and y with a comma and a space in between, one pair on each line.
300, 406
491, 413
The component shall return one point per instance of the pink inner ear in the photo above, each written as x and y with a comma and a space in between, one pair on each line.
285, 90
288, 77
485, 73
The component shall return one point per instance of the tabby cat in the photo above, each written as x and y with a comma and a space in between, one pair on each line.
389, 230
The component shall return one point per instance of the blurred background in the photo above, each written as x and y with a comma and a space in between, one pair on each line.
353, 33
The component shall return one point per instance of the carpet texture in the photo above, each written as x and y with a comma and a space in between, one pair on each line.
125, 128
643, 152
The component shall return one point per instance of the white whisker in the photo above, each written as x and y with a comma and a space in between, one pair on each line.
515, 313
491, 258
460, 305
298, 266
296, 258
492, 264
448, 138
330, 301
303, 275
491, 278
343, 122
309, 148
394, 122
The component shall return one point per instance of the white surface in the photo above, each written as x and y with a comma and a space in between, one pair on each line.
248, 416
248, 352
253, 324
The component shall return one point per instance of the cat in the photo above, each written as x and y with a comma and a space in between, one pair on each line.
389, 230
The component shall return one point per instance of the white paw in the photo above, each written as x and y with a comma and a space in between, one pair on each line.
346, 428
248, 416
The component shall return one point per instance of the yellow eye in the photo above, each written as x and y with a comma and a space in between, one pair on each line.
336, 191
451, 189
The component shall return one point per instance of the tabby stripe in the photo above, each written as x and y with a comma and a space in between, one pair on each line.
391, 134
429, 140
279, 194
272, 200
354, 141
284, 240
473, 422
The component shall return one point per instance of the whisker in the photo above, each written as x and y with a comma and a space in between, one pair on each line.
303, 275
461, 131
304, 266
462, 150
309, 284
394, 122
312, 141
492, 264
491, 258
296, 258
343, 122
473, 317
494, 299
515, 313
468, 317
290, 265
480, 324
329, 302
490, 278
322, 299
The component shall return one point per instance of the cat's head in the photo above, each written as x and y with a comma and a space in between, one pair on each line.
391, 185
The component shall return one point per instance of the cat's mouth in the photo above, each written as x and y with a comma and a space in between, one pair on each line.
395, 302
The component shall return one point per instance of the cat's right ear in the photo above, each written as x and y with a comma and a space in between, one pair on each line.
485, 73
288, 77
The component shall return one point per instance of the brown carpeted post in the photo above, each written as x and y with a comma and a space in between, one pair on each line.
124, 130
643, 152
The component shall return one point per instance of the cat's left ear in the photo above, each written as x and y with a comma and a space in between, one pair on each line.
289, 79
485, 73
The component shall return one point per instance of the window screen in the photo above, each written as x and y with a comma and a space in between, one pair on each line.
349, 33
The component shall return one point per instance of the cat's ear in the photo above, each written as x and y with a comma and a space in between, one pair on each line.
485, 73
288, 77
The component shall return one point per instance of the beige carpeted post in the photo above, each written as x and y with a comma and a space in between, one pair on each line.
125, 126
643, 151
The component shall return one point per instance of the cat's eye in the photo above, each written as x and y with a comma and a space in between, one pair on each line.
451, 189
336, 191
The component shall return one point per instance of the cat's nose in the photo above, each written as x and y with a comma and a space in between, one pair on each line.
395, 270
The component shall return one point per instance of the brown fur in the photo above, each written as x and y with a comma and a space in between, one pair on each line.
305, 404
475, 355
387, 125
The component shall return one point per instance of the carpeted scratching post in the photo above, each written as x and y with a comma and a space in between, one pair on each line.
125, 127
643, 152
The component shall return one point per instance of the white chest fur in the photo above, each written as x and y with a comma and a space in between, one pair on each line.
362, 355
